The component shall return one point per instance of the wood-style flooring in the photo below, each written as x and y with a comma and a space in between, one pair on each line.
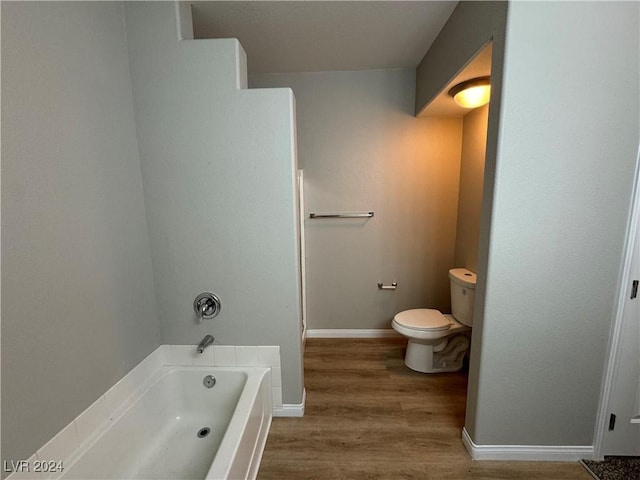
369, 417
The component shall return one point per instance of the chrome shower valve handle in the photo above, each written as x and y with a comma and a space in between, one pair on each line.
207, 305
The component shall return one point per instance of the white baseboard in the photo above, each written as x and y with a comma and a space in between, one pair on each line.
530, 453
352, 333
291, 409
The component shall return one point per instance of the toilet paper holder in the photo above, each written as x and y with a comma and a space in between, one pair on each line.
382, 286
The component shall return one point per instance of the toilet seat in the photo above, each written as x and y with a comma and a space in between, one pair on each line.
423, 319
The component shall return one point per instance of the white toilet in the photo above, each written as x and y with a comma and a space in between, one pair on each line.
437, 342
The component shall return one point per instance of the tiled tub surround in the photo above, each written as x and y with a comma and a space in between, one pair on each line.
262, 363
233, 356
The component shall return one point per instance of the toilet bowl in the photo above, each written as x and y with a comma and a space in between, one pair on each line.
439, 342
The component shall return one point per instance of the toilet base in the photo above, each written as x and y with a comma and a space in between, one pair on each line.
447, 357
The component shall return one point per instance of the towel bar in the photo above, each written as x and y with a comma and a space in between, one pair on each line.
341, 215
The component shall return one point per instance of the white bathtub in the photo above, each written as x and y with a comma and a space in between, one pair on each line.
156, 437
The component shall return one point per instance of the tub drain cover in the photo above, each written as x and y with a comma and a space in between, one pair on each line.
203, 432
209, 381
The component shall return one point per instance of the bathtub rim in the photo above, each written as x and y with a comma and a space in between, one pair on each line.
256, 377
257, 388
88, 426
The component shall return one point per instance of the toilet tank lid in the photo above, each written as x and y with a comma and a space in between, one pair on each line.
463, 277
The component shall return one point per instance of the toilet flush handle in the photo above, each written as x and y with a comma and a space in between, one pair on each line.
382, 286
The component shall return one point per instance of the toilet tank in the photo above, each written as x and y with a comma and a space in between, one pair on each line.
463, 294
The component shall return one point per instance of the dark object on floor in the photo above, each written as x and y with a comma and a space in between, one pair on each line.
614, 468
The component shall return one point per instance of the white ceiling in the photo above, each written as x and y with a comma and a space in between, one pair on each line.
308, 36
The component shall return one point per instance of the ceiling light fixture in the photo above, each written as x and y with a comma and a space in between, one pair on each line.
472, 93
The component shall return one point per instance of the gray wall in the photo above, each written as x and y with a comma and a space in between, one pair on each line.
474, 144
567, 145
78, 307
472, 25
218, 166
362, 149
557, 184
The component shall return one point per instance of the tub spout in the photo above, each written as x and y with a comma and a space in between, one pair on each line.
206, 341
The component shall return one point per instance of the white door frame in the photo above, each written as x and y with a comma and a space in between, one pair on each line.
613, 358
